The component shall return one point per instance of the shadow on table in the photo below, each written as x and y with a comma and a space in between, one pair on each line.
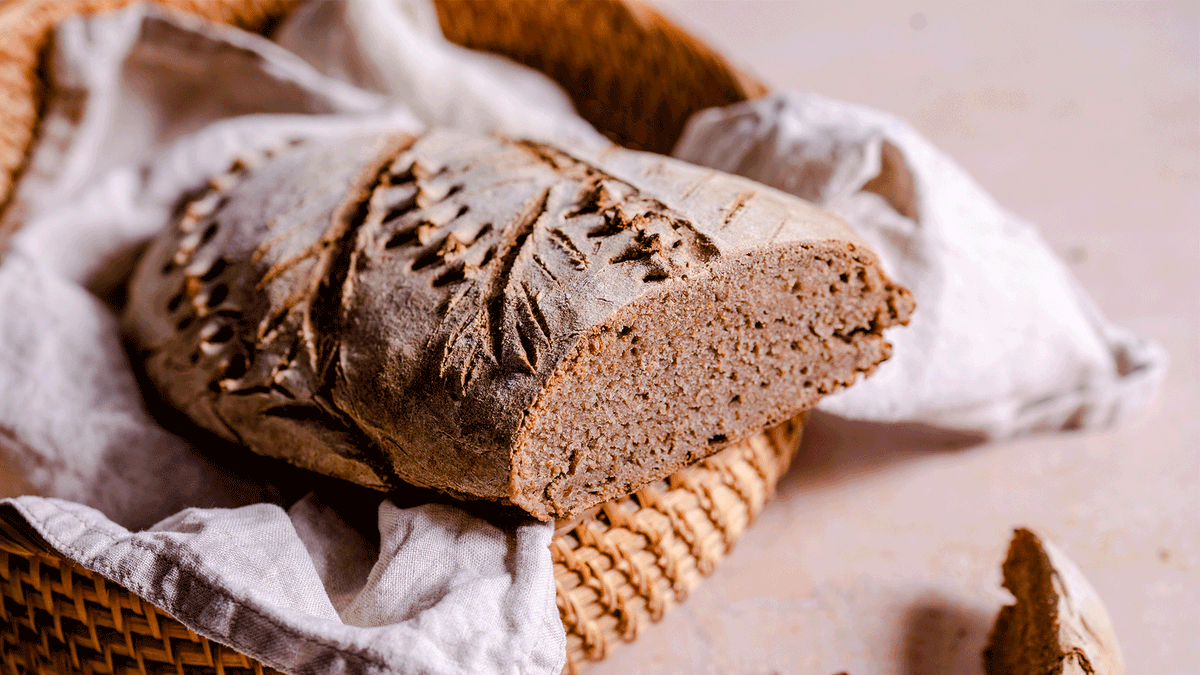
835, 449
940, 635
944, 637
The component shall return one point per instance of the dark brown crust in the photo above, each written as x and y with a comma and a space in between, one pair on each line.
405, 303
228, 356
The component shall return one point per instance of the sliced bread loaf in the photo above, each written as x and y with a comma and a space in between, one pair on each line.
500, 319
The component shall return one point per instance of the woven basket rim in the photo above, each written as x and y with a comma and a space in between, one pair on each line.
16, 536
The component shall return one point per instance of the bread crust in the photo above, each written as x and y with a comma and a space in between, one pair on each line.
439, 310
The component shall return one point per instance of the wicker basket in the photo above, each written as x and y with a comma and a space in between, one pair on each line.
636, 78
617, 569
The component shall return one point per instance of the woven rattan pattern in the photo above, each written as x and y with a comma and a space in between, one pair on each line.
636, 77
624, 564
57, 617
617, 569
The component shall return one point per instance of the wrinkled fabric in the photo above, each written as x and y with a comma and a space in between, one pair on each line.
397, 49
1004, 341
72, 420
448, 593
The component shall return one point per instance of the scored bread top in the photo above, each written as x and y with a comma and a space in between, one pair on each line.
500, 319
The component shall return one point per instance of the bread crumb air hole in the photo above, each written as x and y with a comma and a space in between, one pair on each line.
237, 367
224, 334
215, 270
217, 295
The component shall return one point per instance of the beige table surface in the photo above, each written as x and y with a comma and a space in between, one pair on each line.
882, 555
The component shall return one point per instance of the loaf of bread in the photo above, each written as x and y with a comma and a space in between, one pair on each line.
499, 319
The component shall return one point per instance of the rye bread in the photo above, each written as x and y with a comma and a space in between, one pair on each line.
1058, 624
499, 319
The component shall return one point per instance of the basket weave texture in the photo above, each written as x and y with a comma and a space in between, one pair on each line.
617, 569
57, 617
635, 77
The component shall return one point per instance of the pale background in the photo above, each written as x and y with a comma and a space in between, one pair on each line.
882, 556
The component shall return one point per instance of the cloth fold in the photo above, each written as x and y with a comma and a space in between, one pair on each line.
1004, 341
448, 593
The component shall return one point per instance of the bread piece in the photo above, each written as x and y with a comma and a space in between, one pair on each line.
1058, 624
499, 319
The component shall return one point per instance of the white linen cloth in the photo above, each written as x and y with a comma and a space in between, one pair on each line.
1004, 341
147, 106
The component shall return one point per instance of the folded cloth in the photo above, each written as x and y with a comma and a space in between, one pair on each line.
397, 49
1004, 341
447, 593
145, 106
